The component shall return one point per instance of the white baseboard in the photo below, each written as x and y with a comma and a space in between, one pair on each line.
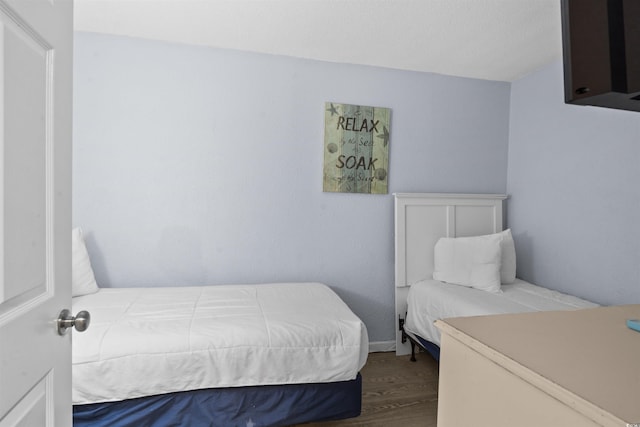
381, 346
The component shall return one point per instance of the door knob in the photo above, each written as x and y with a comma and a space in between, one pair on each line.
66, 320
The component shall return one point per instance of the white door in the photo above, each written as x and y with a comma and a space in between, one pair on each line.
36, 39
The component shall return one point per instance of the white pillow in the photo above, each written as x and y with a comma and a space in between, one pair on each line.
508, 265
83, 281
469, 261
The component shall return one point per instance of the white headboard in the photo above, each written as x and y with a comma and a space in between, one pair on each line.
421, 219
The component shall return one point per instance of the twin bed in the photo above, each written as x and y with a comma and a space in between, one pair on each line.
458, 239
230, 355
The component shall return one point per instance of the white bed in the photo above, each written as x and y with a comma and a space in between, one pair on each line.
431, 300
148, 341
261, 354
421, 221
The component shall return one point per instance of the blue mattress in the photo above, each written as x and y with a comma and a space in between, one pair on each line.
258, 406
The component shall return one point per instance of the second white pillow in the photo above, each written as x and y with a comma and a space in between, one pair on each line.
508, 265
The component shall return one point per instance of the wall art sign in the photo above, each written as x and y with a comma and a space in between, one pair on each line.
356, 149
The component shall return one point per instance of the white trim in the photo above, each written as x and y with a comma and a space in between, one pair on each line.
381, 346
450, 196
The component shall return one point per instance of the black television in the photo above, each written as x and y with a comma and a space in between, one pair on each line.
601, 53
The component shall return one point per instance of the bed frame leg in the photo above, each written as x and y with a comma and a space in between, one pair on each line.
405, 337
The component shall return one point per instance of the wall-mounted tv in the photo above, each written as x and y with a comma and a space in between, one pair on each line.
601, 52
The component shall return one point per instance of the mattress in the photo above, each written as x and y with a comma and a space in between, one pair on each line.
149, 341
430, 300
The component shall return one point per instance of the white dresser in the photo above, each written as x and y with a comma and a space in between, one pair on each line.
552, 369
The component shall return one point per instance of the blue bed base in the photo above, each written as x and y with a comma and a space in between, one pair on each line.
417, 340
431, 348
258, 406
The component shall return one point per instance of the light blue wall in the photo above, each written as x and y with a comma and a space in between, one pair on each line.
574, 182
204, 166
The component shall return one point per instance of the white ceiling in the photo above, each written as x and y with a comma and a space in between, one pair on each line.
487, 39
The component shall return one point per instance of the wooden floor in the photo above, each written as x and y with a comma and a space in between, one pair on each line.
396, 392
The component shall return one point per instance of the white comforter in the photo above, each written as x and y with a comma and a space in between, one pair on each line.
146, 341
431, 300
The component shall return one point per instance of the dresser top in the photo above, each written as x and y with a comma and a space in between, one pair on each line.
588, 358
